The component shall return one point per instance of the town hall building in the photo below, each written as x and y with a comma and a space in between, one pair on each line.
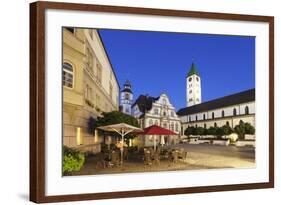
227, 110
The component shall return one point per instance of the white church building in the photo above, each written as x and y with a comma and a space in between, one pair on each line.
227, 110
156, 111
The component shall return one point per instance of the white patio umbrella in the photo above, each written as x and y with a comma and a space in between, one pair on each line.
122, 129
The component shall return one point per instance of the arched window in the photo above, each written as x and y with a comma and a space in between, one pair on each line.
205, 126
67, 75
196, 125
213, 115
204, 117
227, 123
189, 118
234, 112
150, 122
222, 113
172, 113
215, 124
246, 110
196, 118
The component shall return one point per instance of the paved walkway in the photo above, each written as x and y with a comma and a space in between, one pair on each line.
199, 157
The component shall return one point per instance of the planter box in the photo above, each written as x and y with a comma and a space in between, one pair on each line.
221, 142
242, 143
250, 137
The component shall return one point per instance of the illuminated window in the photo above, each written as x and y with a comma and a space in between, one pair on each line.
79, 138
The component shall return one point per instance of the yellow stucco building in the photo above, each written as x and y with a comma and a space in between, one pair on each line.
90, 87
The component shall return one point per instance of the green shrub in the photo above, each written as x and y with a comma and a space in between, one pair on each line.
73, 160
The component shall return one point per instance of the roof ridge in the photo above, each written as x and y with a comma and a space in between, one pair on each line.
241, 97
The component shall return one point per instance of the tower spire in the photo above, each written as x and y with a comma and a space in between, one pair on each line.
192, 70
126, 98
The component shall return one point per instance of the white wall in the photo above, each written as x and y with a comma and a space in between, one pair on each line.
228, 111
14, 103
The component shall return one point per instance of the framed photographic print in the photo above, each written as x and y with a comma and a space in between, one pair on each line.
128, 102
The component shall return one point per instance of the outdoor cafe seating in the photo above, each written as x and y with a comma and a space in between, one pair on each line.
108, 158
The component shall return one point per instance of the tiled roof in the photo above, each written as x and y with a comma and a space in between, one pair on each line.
193, 70
234, 99
144, 102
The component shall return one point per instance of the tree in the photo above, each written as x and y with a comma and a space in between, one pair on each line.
227, 130
240, 129
200, 131
189, 131
249, 129
219, 132
212, 131
116, 117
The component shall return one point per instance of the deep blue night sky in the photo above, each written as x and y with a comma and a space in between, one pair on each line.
157, 62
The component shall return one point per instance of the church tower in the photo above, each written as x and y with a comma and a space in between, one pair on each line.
193, 87
126, 98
